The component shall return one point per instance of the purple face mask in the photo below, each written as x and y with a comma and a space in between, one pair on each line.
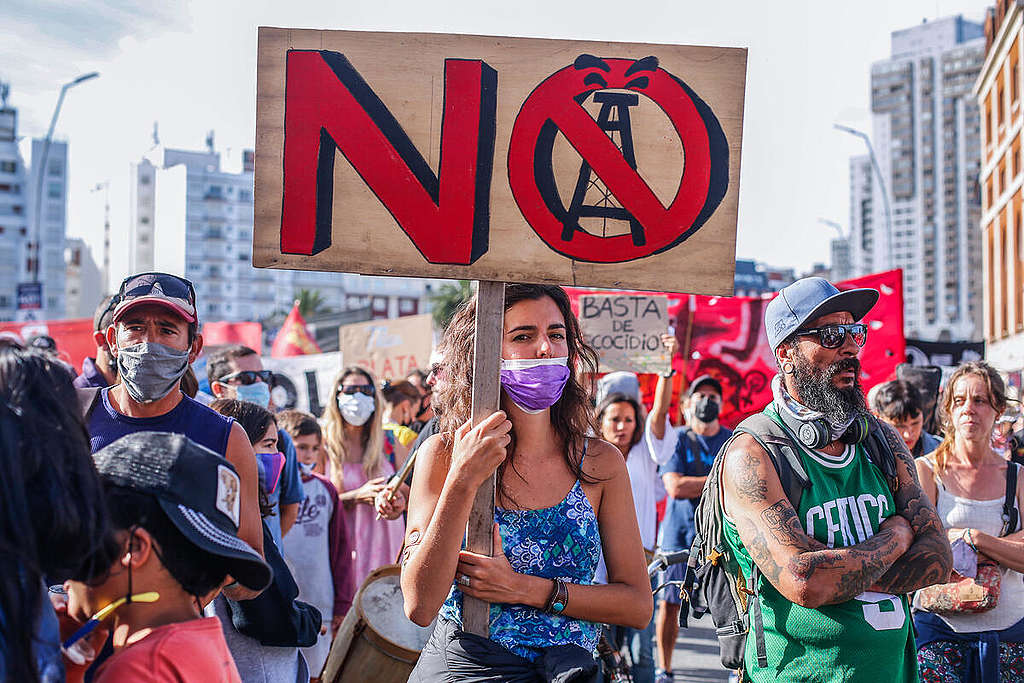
534, 384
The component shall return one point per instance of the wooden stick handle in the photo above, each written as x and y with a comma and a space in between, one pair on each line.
490, 308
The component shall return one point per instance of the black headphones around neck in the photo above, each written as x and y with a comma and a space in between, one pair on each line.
816, 433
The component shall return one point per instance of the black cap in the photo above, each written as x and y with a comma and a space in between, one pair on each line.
198, 490
704, 379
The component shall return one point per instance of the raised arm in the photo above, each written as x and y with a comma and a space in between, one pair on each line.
663, 392
800, 567
440, 501
929, 558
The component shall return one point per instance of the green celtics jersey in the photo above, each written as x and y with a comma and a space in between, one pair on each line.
868, 638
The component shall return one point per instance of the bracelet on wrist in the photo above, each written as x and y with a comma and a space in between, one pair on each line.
559, 598
969, 540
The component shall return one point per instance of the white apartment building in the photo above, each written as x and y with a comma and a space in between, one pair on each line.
190, 216
13, 212
926, 137
53, 224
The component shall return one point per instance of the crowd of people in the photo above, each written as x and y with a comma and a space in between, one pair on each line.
149, 534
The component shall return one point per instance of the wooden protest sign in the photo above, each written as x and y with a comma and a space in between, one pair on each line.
626, 330
507, 159
389, 349
499, 160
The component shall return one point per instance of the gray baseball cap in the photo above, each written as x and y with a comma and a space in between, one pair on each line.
810, 298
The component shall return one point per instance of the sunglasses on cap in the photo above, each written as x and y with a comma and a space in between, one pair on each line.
833, 336
365, 389
143, 284
249, 377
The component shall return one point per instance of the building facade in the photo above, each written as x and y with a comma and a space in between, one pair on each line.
83, 281
999, 96
190, 215
52, 223
13, 211
926, 135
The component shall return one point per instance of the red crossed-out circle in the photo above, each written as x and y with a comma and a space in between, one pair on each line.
556, 101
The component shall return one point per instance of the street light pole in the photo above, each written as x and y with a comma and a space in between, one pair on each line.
832, 224
37, 260
881, 181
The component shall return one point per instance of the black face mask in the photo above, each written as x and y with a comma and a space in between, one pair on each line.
706, 410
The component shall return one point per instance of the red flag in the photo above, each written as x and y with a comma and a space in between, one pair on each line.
728, 341
247, 334
293, 339
73, 337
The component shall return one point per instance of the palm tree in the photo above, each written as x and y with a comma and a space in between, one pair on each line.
311, 302
447, 300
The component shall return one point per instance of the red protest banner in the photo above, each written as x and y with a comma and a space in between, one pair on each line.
247, 334
73, 337
727, 340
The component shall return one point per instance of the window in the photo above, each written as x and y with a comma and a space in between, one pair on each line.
55, 168
8, 167
145, 179
1014, 78
144, 220
54, 190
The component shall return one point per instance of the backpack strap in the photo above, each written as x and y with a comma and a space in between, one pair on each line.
757, 619
881, 454
87, 400
1010, 516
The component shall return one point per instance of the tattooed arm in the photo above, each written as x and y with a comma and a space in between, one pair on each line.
929, 558
800, 567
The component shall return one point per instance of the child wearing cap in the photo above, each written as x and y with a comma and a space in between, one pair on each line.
318, 548
174, 508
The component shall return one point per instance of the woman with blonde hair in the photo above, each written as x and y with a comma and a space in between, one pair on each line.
354, 443
563, 501
979, 503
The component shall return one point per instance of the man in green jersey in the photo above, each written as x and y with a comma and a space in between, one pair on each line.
834, 571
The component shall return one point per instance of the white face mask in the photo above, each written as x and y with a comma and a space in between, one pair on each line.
355, 408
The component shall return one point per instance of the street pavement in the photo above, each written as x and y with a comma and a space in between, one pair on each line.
696, 657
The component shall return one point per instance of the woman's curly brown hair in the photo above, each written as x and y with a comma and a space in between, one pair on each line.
570, 415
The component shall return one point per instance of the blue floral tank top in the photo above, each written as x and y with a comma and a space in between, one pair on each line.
562, 542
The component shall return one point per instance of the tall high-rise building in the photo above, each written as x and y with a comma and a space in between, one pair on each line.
18, 225
999, 96
83, 289
926, 135
13, 209
192, 217
52, 223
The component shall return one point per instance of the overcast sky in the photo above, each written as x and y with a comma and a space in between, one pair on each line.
191, 66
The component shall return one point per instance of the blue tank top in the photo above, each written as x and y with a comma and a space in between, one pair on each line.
562, 542
201, 424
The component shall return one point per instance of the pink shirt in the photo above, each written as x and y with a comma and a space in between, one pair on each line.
375, 543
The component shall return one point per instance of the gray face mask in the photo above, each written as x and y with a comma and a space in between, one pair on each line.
149, 371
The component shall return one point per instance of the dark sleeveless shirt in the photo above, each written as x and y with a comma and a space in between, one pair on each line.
201, 424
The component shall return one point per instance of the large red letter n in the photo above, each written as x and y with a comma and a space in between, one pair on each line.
329, 107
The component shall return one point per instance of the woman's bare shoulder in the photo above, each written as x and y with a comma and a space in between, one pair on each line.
603, 460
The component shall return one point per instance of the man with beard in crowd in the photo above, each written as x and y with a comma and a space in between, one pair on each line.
832, 574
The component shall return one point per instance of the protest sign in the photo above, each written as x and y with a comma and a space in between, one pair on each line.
303, 382
389, 349
593, 163
626, 330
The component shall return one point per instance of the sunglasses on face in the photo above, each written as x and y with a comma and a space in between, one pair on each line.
172, 286
365, 389
249, 376
833, 336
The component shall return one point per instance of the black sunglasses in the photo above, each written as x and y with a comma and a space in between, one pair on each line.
364, 389
142, 284
833, 336
249, 377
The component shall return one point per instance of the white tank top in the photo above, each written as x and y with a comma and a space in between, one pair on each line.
987, 516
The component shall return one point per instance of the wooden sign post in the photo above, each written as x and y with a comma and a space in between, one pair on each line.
580, 163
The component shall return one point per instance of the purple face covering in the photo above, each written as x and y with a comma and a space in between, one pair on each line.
534, 384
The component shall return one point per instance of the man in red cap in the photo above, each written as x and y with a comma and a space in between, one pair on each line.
154, 337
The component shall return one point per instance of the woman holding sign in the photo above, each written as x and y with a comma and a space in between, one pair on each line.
563, 501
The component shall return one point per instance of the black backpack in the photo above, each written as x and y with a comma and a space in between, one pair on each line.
713, 581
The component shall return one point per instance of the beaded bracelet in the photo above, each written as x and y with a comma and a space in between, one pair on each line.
970, 541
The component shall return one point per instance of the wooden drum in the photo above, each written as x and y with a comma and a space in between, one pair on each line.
376, 641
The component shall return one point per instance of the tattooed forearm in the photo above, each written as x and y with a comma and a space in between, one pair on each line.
917, 568
781, 521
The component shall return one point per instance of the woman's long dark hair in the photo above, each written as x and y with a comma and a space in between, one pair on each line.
570, 415
53, 519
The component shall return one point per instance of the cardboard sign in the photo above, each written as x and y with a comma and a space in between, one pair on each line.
626, 331
509, 159
389, 349
303, 382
